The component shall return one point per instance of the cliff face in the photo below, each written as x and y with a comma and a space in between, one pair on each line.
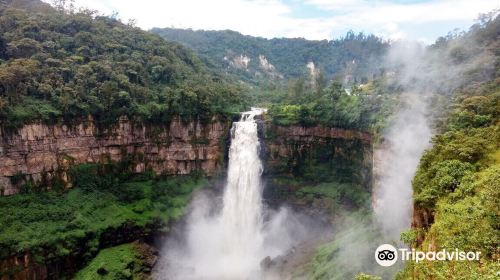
297, 157
40, 152
284, 140
287, 147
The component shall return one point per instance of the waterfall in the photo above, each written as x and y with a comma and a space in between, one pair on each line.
228, 244
241, 215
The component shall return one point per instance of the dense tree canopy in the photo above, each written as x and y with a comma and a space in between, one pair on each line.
363, 108
68, 64
352, 56
457, 182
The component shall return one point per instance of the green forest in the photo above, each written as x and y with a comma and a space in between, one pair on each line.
457, 181
353, 54
104, 219
58, 65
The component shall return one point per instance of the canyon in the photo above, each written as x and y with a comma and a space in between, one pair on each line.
39, 152
43, 153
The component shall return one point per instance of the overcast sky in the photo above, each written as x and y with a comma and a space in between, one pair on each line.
422, 20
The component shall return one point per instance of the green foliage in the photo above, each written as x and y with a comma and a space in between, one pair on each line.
457, 181
470, 136
438, 180
363, 276
464, 270
286, 114
91, 177
55, 224
469, 219
339, 193
120, 262
288, 90
409, 237
58, 64
350, 252
363, 108
330, 174
289, 57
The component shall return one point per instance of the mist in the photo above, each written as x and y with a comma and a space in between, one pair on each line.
228, 236
192, 250
396, 162
426, 82
427, 78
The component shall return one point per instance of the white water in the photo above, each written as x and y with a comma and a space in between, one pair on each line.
241, 217
230, 243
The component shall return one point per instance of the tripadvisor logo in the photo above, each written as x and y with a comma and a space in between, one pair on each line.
387, 255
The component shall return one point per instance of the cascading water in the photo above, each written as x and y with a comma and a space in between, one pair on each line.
230, 244
241, 216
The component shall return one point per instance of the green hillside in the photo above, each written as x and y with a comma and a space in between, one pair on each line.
354, 57
457, 185
61, 64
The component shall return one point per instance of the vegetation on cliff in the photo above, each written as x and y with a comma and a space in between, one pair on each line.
457, 182
367, 107
456, 186
66, 64
81, 221
295, 94
350, 252
59, 64
332, 174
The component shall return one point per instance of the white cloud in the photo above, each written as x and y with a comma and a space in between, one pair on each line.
385, 18
274, 18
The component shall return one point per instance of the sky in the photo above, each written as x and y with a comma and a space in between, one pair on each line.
420, 20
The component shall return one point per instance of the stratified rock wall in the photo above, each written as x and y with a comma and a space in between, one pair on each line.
39, 150
288, 144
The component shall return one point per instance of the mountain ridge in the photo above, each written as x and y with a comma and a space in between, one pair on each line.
256, 59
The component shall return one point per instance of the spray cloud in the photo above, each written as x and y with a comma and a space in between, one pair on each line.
229, 242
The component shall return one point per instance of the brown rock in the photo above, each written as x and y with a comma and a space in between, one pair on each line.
168, 149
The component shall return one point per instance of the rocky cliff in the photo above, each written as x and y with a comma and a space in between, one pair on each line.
305, 157
281, 135
38, 152
287, 147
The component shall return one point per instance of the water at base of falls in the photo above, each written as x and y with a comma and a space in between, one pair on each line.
229, 244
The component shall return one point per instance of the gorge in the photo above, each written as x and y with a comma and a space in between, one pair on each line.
135, 154
45, 154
